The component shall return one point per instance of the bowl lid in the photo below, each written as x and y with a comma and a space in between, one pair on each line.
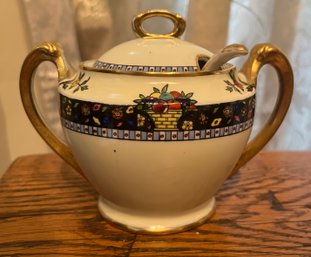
155, 54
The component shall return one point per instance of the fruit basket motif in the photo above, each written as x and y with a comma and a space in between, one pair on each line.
166, 107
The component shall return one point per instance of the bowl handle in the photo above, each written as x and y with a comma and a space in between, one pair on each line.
51, 52
260, 55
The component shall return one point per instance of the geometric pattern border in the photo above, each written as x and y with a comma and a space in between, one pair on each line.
157, 135
143, 68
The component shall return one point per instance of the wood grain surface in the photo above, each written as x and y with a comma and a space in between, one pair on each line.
47, 209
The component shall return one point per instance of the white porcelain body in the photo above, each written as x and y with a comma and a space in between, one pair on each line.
157, 178
121, 89
165, 184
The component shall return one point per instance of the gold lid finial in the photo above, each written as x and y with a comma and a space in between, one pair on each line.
178, 21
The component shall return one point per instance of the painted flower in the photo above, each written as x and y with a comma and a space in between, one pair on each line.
140, 120
243, 112
187, 125
85, 110
68, 110
96, 107
227, 111
203, 118
77, 83
130, 110
117, 113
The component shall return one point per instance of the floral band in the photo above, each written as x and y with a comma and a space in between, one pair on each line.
161, 115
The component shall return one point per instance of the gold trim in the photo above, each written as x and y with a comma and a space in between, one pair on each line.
161, 230
55, 52
51, 52
159, 74
178, 21
261, 55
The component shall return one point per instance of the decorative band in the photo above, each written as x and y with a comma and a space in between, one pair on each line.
138, 135
143, 68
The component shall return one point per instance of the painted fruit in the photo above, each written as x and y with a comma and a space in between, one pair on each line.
155, 95
176, 94
166, 96
174, 105
160, 106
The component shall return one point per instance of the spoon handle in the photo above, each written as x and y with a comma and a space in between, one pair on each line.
226, 54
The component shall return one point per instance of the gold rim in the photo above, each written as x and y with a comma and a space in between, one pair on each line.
159, 74
162, 230
178, 21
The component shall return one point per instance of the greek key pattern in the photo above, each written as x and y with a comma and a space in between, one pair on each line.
157, 135
144, 68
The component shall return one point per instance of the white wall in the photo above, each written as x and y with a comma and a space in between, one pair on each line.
17, 136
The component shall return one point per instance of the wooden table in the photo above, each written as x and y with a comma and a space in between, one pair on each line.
46, 209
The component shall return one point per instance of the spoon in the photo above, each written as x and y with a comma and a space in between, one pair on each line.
223, 56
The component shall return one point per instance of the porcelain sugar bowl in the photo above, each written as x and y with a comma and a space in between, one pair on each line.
157, 124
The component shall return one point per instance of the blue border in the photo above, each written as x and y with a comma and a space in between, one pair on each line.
157, 135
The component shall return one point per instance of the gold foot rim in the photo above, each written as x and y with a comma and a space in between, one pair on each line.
158, 229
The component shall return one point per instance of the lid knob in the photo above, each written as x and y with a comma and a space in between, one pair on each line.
178, 21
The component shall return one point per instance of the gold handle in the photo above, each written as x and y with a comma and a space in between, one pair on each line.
178, 21
46, 52
260, 55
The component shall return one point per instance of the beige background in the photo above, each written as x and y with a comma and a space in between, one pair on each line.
17, 136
